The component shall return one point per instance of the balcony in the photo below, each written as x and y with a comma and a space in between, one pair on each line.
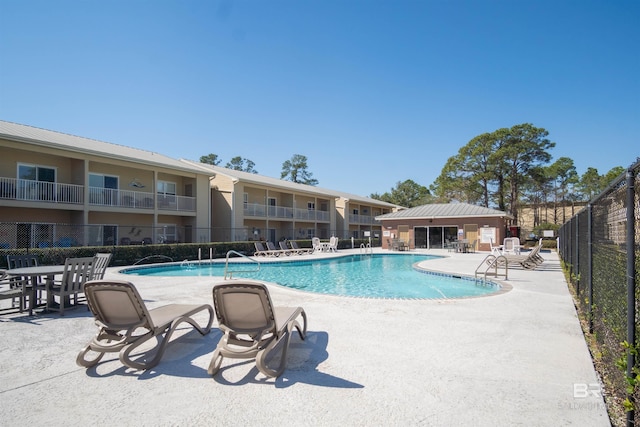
40, 191
284, 212
140, 200
53, 192
362, 219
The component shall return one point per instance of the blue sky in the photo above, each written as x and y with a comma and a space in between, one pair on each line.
371, 92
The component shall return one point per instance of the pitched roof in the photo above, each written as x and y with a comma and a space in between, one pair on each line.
444, 210
286, 185
36, 136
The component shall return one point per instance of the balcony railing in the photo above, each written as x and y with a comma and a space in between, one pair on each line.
40, 191
362, 219
53, 192
99, 196
284, 212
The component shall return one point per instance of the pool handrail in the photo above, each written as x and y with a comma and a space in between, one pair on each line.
494, 262
230, 273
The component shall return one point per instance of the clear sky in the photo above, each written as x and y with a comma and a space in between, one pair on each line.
372, 92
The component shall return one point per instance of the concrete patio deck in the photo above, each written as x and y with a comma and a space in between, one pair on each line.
518, 358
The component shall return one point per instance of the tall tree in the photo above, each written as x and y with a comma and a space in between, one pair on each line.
240, 164
523, 147
210, 159
610, 176
407, 194
589, 184
295, 170
564, 175
467, 175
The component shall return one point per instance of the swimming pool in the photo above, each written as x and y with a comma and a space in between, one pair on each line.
370, 276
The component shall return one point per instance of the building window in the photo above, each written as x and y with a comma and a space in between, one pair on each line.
356, 212
36, 182
311, 206
167, 233
166, 188
103, 189
245, 200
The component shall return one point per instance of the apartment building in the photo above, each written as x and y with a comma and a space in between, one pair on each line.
247, 206
63, 190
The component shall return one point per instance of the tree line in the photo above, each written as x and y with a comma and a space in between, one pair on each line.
295, 169
505, 169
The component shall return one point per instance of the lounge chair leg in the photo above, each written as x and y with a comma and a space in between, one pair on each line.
81, 360
216, 362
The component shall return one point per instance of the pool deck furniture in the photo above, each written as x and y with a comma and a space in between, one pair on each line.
32, 274
14, 289
119, 311
253, 327
262, 251
100, 263
529, 261
76, 272
298, 250
285, 250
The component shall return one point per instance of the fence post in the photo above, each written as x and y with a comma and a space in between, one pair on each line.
631, 282
589, 277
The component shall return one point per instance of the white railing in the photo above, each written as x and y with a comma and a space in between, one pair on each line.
120, 198
40, 191
284, 212
362, 219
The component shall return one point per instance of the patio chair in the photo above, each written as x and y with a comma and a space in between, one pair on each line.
22, 261
511, 245
333, 244
261, 251
315, 243
529, 261
284, 248
119, 312
16, 290
495, 250
253, 328
298, 250
274, 251
100, 263
76, 272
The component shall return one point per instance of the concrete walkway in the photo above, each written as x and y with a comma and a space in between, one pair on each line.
518, 358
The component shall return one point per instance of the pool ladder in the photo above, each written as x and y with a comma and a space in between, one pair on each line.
366, 248
228, 274
494, 262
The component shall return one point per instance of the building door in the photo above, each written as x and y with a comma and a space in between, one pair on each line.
271, 235
471, 234
420, 237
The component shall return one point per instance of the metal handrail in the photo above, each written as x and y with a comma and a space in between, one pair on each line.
494, 262
363, 248
230, 273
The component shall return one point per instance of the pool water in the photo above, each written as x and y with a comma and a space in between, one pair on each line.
370, 276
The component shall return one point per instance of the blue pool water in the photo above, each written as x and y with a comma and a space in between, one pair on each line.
371, 276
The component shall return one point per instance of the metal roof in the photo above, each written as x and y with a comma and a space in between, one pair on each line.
287, 185
36, 136
444, 210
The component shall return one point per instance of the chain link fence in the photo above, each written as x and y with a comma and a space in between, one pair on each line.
600, 247
52, 242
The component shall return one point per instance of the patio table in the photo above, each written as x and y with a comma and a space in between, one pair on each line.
48, 272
